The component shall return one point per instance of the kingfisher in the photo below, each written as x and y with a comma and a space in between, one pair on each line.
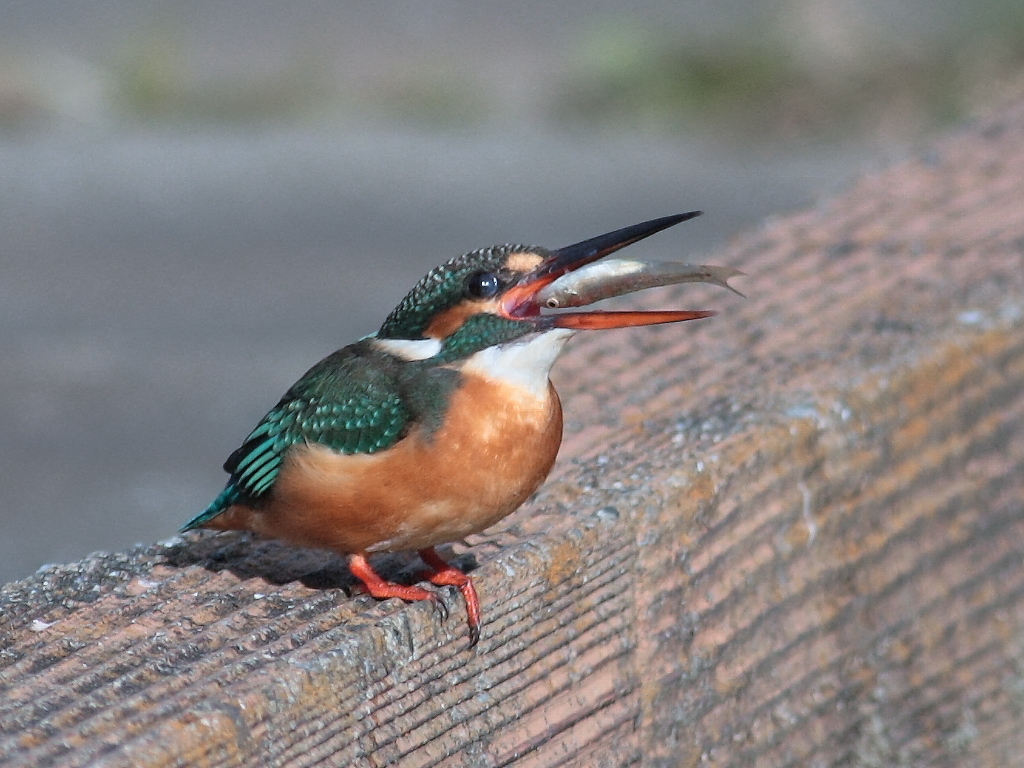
442, 422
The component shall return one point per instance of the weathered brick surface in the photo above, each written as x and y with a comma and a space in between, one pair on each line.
790, 535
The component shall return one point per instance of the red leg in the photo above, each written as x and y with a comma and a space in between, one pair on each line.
446, 575
382, 589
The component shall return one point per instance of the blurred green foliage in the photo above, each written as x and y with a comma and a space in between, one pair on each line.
154, 81
773, 82
798, 69
435, 95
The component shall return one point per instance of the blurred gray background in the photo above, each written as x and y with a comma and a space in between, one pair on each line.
200, 199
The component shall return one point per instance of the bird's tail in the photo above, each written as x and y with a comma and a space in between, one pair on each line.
227, 497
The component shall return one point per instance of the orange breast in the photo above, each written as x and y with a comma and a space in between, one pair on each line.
493, 450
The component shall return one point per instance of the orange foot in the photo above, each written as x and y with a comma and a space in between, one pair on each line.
382, 589
446, 575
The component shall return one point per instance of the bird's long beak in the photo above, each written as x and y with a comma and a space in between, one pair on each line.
539, 288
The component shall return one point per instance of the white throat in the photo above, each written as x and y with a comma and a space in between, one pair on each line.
524, 363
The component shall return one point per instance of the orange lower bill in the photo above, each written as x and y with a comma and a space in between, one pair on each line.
595, 321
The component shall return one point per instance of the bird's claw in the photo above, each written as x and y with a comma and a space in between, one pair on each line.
447, 575
442, 609
474, 634
439, 606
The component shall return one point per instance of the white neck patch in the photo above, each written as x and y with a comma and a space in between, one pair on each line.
523, 363
409, 349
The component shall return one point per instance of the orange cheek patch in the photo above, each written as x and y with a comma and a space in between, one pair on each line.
449, 321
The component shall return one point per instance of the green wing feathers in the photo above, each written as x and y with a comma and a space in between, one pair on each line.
350, 402
358, 423
358, 400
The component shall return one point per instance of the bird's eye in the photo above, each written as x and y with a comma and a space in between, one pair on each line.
483, 285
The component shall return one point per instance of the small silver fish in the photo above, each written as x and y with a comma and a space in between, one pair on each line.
617, 277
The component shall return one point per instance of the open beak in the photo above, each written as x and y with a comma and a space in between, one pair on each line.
564, 279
